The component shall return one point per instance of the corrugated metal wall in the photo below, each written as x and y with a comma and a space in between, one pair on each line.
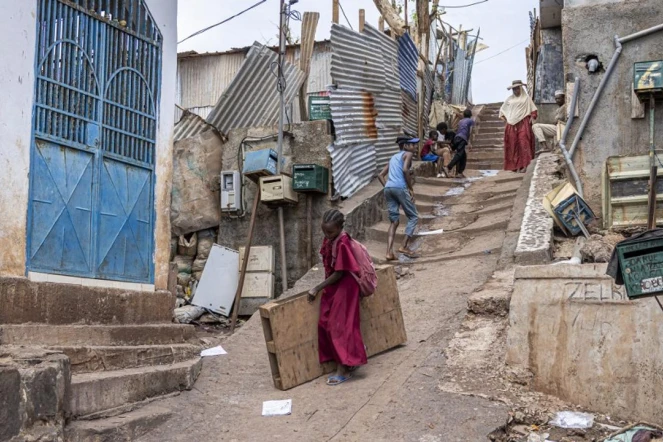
408, 60
252, 98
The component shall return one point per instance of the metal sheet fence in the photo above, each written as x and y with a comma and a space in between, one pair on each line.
352, 167
408, 60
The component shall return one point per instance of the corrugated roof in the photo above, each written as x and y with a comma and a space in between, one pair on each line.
389, 52
189, 125
408, 60
356, 60
352, 167
353, 112
244, 50
252, 99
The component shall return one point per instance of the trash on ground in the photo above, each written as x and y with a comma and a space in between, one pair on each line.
569, 211
534, 437
214, 351
573, 419
277, 408
636, 433
188, 314
432, 232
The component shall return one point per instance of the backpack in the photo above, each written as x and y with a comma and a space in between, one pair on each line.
366, 278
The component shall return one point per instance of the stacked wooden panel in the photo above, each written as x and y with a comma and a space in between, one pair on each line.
291, 331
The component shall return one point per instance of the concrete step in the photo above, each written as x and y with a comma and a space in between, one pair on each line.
480, 146
123, 428
25, 301
487, 139
484, 166
95, 335
88, 359
485, 155
96, 392
491, 124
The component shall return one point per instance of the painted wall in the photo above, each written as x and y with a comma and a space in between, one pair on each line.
611, 131
18, 25
549, 67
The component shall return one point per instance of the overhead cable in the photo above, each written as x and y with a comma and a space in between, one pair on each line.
222, 22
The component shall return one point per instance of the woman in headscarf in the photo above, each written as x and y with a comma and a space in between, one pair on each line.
519, 112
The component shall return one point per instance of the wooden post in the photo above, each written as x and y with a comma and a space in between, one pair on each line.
381, 24
309, 26
407, 27
335, 11
309, 230
362, 20
245, 263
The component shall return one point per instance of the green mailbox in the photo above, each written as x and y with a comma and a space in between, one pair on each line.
648, 76
319, 107
310, 178
641, 263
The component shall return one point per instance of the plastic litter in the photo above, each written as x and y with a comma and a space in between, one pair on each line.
188, 313
277, 408
534, 437
214, 351
573, 419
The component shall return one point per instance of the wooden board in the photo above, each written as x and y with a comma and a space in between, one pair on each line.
291, 331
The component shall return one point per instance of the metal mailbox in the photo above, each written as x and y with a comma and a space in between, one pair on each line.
641, 264
277, 190
260, 163
310, 178
648, 76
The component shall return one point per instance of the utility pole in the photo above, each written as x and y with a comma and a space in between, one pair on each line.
281, 88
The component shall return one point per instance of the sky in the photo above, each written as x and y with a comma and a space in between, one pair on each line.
504, 28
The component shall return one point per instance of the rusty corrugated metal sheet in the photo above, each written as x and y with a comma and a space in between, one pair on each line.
352, 167
189, 125
356, 60
388, 103
408, 61
354, 115
410, 113
252, 99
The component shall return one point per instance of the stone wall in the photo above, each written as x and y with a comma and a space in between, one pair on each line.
585, 342
589, 27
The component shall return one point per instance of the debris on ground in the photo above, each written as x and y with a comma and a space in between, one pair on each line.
214, 351
573, 419
639, 432
188, 314
277, 408
596, 249
403, 272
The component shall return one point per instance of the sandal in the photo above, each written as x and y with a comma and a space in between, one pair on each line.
337, 380
408, 253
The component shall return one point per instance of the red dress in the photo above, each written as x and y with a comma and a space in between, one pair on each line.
519, 144
339, 331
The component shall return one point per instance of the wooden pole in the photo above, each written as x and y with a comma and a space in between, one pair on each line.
406, 27
245, 263
309, 26
309, 230
362, 20
653, 173
335, 11
381, 24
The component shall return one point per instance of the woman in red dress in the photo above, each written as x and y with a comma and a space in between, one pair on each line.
519, 112
339, 332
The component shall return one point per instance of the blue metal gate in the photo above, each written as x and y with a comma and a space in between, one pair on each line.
97, 77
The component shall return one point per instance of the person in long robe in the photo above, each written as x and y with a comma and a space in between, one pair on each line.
519, 113
339, 331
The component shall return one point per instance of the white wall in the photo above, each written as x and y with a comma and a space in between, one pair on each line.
17, 56
165, 15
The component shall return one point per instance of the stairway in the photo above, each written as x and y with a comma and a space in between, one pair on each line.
474, 214
123, 349
488, 140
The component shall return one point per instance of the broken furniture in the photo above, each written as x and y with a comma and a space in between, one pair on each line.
290, 327
569, 211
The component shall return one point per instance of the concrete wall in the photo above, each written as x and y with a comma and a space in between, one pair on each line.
585, 342
611, 131
549, 67
308, 144
18, 26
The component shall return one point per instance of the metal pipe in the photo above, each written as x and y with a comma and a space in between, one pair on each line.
597, 95
641, 34
562, 141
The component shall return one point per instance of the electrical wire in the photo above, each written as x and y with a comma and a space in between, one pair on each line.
463, 6
500, 53
346, 17
222, 22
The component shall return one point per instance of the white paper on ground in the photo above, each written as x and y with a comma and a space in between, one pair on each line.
432, 232
573, 419
214, 351
277, 408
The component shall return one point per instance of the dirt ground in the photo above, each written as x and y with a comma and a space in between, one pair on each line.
446, 384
